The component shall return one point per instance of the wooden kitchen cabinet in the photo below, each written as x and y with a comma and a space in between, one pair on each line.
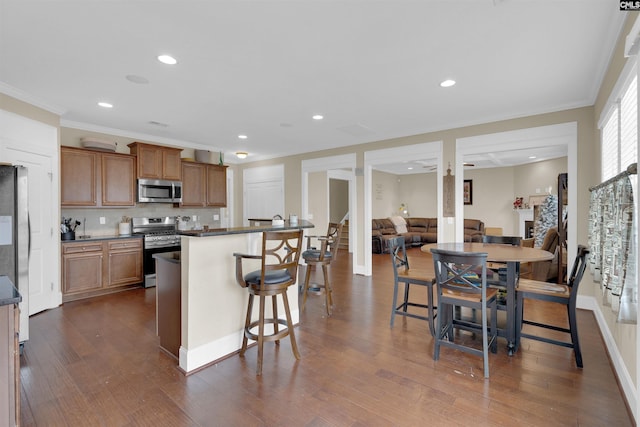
157, 162
91, 268
216, 185
9, 354
194, 184
96, 179
203, 184
82, 267
125, 262
118, 180
78, 177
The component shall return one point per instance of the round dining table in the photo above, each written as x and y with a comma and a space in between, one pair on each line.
510, 255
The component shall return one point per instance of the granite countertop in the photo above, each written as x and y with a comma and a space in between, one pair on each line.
8, 293
106, 237
244, 230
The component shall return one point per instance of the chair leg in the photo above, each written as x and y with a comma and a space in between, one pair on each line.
430, 310
573, 327
247, 322
260, 334
485, 341
292, 335
494, 327
405, 304
327, 289
393, 305
274, 308
438, 336
305, 286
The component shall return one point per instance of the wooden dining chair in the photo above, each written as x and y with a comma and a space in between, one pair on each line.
279, 268
561, 294
409, 276
460, 285
322, 257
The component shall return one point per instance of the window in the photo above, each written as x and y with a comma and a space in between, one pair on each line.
619, 135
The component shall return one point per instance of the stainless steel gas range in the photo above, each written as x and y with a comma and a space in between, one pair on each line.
159, 236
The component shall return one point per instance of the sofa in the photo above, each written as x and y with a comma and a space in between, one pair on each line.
416, 231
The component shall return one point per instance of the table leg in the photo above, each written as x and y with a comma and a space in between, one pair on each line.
512, 277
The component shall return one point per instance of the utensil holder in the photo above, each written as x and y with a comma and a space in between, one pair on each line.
69, 235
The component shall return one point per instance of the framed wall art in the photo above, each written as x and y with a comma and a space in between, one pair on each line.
467, 191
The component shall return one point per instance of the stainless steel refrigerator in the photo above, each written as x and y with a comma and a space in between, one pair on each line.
14, 236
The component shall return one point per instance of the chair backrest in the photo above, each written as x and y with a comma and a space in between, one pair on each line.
459, 271
398, 253
502, 240
578, 270
334, 231
281, 251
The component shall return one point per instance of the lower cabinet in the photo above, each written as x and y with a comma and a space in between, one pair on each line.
9, 365
125, 262
99, 267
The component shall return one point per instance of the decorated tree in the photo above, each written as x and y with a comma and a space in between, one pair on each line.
547, 218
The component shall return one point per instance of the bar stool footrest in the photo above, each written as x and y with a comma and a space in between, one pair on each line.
276, 336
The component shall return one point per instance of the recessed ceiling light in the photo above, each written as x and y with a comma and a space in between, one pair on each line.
242, 136
410, 168
532, 157
105, 105
318, 117
166, 59
448, 83
137, 79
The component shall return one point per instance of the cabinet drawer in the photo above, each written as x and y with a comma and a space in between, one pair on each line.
125, 244
75, 248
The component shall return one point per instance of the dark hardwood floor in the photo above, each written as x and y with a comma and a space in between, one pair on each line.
96, 362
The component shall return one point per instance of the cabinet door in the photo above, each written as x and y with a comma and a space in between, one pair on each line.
118, 180
149, 162
81, 267
216, 186
125, 262
171, 165
78, 177
193, 184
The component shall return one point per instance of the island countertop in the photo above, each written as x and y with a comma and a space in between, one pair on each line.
243, 230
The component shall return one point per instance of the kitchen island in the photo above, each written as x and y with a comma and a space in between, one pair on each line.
213, 305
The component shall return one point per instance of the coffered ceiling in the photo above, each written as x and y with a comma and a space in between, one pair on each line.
264, 68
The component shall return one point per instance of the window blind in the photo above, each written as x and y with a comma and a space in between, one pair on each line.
609, 155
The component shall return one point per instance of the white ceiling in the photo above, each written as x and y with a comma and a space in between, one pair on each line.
263, 68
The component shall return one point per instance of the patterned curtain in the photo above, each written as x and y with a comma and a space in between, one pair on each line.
612, 237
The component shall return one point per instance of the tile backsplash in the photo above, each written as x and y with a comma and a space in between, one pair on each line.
90, 218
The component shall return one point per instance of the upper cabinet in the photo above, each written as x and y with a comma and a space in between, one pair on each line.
157, 162
216, 186
96, 179
203, 184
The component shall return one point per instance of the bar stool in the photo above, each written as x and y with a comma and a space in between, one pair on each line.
322, 257
409, 276
279, 269
561, 294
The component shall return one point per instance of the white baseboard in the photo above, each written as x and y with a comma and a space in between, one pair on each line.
626, 382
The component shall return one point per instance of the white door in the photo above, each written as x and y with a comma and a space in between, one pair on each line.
34, 145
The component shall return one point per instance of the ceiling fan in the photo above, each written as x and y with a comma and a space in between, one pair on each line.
431, 168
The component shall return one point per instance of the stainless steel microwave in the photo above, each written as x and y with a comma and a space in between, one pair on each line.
159, 191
